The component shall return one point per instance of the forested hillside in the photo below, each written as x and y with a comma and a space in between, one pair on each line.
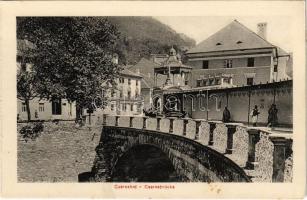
142, 36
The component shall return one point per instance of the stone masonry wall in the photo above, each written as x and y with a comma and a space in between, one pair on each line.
264, 157
192, 161
59, 154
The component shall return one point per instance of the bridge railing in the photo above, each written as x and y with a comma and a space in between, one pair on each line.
266, 156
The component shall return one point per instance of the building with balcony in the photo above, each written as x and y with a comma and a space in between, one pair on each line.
238, 52
234, 68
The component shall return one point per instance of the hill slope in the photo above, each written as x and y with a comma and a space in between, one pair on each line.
142, 36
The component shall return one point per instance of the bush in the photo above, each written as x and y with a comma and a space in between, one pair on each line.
31, 132
38, 127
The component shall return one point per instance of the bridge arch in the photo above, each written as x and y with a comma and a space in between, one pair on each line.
144, 163
191, 160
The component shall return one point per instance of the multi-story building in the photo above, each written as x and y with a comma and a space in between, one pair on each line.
238, 69
41, 109
145, 68
125, 98
237, 52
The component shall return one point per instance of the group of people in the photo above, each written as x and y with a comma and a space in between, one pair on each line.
272, 115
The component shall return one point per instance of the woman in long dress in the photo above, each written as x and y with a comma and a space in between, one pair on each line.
254, 115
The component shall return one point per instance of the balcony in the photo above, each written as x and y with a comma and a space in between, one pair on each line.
261, 74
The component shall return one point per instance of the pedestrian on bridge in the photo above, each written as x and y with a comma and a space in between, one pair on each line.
254, 115
272, 118
226, 115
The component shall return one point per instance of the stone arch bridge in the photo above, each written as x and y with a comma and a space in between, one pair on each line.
199, 150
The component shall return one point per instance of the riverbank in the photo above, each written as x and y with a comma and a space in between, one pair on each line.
59, 154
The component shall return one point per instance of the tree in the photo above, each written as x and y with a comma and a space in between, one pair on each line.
73, 56
28, 86
27, 89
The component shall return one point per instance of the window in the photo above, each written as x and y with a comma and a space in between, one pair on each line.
275, 68
139, 107
112, 107
217, 81
125, 107
136, 94
129, 81
204, 82
250, 81
228, 63
137, 83
198, 83
227, 80
210, 81
112, 93
205, 64
131, 107
129, 94
56, 107
41, 107
250, 62
23, 108
121, 94
217, 44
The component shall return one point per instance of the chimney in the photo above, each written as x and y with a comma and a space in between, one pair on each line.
262, 29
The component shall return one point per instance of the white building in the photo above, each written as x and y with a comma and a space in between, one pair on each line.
126, 98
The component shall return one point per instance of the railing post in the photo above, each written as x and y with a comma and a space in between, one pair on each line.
197, 127
279, 158
171, 125
104, 119
131, 121
185, 122
116, 120
253, 139
144, 122
158, 123
231, 129
212, 126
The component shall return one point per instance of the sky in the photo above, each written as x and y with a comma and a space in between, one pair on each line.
200, 28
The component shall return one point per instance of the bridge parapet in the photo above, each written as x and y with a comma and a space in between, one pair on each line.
264, 155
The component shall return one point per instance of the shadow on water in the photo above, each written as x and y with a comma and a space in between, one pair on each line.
142, 163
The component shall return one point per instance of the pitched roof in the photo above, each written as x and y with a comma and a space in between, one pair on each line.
234, 36
127, 72
147, 82
145, 66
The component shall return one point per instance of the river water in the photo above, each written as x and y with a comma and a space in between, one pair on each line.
144, 163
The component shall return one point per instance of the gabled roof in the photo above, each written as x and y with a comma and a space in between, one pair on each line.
126, 72
145, 66
234, 36
147, 82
